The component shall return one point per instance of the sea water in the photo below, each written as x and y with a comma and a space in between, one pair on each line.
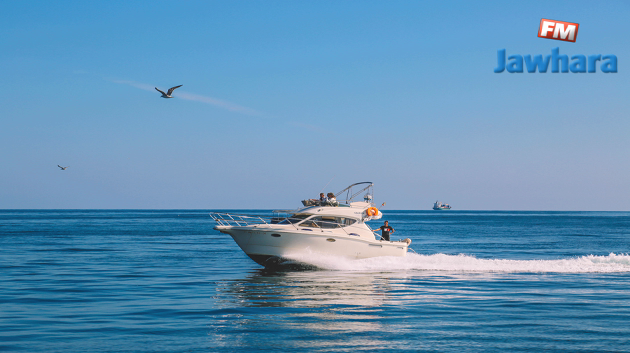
165, 281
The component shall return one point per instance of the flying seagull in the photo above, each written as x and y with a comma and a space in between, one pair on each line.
170, 91
62, 168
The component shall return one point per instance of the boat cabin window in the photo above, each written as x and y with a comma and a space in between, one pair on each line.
347, 221
296, 218
309, 223
328, 222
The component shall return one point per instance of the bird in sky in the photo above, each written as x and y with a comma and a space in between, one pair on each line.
170, 91
62, 168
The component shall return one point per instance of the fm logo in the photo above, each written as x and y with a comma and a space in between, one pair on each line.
565, 31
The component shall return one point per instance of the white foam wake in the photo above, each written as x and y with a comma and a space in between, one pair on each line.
466, 263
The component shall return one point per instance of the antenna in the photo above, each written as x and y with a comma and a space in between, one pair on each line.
327, 185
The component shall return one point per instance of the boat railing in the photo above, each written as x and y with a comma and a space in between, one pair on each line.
236, 220
350, 193
230, 219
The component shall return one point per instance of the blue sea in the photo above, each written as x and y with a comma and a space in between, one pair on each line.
165, 281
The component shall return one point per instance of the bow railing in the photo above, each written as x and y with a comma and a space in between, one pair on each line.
229, 219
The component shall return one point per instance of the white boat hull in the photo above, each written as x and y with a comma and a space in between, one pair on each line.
272, 247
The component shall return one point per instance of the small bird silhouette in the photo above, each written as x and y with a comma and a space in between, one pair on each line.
170, 91
62, 168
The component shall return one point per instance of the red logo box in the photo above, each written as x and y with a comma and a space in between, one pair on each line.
558, 30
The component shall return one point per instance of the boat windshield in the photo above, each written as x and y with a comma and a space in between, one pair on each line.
328, 222
296, 218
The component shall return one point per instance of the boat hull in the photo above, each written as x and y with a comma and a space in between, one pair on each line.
273, 248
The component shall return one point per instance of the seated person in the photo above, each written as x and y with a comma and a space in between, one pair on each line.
323, 200
332, 200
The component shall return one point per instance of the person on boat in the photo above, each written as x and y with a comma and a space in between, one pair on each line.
332, 200
323, 200
385, 230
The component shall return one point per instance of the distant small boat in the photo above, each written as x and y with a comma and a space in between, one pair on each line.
441, 206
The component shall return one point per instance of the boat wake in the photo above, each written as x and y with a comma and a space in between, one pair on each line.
466, 263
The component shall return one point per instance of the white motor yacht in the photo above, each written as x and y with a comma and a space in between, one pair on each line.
330, 227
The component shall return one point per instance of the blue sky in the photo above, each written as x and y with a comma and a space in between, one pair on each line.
280, 98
